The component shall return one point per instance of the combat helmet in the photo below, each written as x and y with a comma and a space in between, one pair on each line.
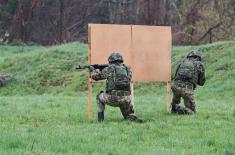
195, 53
115, 57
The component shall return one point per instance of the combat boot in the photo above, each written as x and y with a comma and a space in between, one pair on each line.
174, 109
134, 118
189, 111
100, 116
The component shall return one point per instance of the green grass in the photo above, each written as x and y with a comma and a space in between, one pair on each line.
40, 70
58, 125
44, 109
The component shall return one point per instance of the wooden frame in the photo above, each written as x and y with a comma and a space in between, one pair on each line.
131, 40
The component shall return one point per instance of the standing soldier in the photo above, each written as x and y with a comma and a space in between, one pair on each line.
188, 74
117, 94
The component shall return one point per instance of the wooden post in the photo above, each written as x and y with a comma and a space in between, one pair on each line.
168, 88
89, 77
132, 82
89, 98
132, 94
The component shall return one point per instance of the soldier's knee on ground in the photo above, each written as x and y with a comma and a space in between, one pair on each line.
127, 110
174, 107
134, 118
183, 111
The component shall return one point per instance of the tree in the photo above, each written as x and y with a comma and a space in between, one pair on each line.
151, 12
25, 15
57, 21
8, 18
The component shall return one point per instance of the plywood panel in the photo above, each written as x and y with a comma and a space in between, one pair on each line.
147, 49
151, 53
107, 38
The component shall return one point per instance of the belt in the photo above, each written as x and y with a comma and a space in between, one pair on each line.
119, 93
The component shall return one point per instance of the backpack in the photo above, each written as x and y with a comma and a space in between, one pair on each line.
187, 71
119, 79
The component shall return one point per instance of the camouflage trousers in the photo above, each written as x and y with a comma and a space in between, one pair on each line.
123, 102
186, 91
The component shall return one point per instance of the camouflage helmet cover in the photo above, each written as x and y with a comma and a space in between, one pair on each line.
115, 57
195, 53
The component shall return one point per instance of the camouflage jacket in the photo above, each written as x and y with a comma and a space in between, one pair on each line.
199, 74
107, 72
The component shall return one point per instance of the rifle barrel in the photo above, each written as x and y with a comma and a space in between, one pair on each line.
82, 66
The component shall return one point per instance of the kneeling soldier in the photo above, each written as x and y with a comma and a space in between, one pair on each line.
188, 74
117, 94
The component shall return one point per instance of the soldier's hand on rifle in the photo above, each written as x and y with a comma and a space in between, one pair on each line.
91, 68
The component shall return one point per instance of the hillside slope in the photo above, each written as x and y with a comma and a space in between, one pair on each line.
50, 70
40, 70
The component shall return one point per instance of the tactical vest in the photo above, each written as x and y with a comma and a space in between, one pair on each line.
119, 79
187, 72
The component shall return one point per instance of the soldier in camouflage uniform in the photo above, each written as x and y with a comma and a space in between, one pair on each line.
117, 94
189, 73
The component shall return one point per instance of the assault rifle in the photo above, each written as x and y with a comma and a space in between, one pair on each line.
96, 66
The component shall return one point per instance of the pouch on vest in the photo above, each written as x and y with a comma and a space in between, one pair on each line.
121, 79
186, 71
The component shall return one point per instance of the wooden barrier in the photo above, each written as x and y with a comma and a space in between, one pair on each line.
147, 49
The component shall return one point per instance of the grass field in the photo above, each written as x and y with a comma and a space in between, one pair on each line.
44, 109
